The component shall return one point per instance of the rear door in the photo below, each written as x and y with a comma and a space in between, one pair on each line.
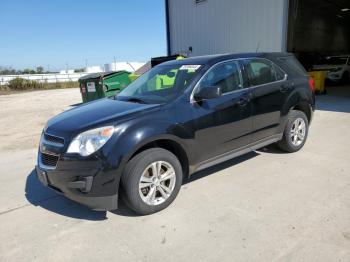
270, 89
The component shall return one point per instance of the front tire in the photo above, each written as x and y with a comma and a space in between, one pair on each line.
295, 132
151, 180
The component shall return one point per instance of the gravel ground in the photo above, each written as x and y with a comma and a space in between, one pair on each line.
264, 206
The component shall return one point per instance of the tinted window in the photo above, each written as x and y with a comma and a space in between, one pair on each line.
293, 63
261, 71
279, 73
225, 75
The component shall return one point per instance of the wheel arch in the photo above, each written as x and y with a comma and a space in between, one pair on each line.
304, 107
168, 143
300, 99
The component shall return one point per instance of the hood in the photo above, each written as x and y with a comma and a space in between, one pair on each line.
93, 114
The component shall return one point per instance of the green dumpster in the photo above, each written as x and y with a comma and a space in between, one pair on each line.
99, 85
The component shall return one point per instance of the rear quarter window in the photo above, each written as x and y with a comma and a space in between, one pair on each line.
292, 63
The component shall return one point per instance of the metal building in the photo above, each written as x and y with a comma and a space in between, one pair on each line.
230, 26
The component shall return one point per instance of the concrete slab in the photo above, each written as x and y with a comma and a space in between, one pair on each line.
264, 206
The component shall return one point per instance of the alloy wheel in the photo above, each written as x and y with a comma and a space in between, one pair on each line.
298, 131
157, 183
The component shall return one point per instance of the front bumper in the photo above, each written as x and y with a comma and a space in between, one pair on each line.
87, 182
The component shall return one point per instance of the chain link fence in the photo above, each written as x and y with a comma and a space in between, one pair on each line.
43, 78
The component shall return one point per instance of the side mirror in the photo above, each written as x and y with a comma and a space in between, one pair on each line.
207, 92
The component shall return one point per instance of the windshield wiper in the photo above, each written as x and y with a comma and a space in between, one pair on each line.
136, 100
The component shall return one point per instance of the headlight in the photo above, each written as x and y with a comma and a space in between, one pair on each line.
90, 141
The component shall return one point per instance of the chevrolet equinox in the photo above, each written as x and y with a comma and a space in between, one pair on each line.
178, 118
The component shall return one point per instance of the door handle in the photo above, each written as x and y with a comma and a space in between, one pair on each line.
286, 87
243, 101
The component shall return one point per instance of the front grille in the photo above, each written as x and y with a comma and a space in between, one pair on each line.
49, 160
54, 139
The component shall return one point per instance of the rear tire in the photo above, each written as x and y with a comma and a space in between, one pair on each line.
151, 181
295, 132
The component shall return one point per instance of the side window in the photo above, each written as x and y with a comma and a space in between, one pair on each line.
225, 75
261, 71
279, 73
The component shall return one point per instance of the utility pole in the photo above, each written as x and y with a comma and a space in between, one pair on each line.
115, 64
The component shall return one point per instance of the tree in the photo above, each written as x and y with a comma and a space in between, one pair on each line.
40, 70
79, 70
27, 71
7, 71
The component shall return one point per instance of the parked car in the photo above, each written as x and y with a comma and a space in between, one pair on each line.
149, 138
338, 68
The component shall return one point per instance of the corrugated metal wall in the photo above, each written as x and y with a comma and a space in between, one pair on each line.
227, 26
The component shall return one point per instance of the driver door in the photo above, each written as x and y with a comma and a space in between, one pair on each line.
223, 124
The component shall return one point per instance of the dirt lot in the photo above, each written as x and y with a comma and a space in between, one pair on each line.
264, 206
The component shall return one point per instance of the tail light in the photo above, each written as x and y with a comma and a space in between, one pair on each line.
312, 84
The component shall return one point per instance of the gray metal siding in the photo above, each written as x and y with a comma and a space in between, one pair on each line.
227, 26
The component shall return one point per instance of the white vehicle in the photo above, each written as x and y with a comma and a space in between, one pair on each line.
338, 68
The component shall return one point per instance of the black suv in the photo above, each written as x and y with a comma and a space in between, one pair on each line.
180, 117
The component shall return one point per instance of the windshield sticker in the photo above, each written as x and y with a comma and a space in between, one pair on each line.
190, 67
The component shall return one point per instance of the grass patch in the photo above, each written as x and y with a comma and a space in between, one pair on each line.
21, 84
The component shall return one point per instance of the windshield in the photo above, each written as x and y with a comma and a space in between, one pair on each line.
161, 84
335, 60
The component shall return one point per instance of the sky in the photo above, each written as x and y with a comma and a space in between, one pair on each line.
57, 33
